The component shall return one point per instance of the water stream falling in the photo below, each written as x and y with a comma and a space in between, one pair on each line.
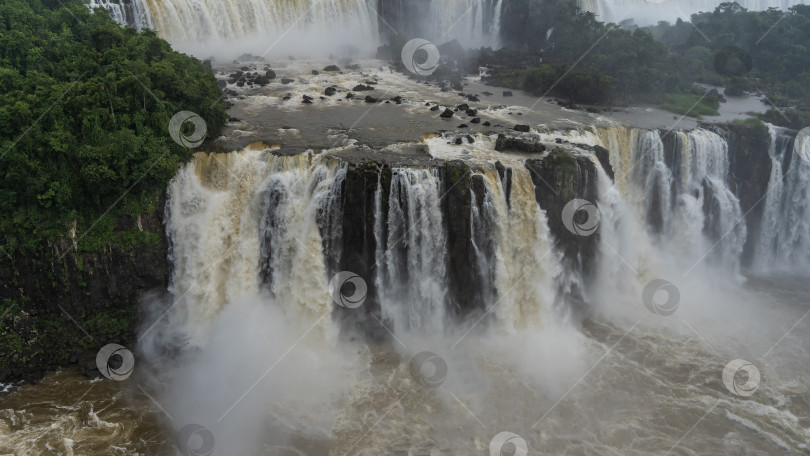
784, 239
411, 276
312, 27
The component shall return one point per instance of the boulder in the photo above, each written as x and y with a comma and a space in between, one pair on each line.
446, 114
522, 128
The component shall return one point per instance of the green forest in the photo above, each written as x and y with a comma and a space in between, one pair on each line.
85, 106
608, 64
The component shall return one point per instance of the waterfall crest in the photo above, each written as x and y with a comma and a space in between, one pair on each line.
259, 26
411, 273
674, 185
258, 214
276, 27
784, 234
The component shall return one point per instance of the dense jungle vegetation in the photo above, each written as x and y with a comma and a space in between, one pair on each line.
766, 52
85, 106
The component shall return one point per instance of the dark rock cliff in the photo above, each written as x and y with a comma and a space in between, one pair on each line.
559, 178
61, 305
749, 173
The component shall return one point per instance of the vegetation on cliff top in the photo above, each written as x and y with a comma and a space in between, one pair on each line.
766, 51
84, 111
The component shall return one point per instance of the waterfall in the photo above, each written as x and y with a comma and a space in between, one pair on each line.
784, 235
281, 27
260, 26
411, 274
673, 186
647, 12
766, 246
246, 222
793, 241
474, 23
524, 256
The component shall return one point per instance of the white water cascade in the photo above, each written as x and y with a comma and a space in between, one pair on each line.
465, 20
245, 223
411, 274
784, 234
525, 261
280, 28
255, 237
648, 12
262, 27
682, 200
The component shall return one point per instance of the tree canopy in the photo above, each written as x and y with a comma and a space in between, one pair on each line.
765, 51
84, 111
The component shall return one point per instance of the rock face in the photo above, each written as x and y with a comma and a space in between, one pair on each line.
749, 173
60, 306
559, 178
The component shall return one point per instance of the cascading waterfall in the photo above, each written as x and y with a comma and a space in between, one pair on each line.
724, 222
273, 226
784, 234
260, 26
765, 247
680, 193
411, 273
273, 27
473, 22
524, 251
258, 214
